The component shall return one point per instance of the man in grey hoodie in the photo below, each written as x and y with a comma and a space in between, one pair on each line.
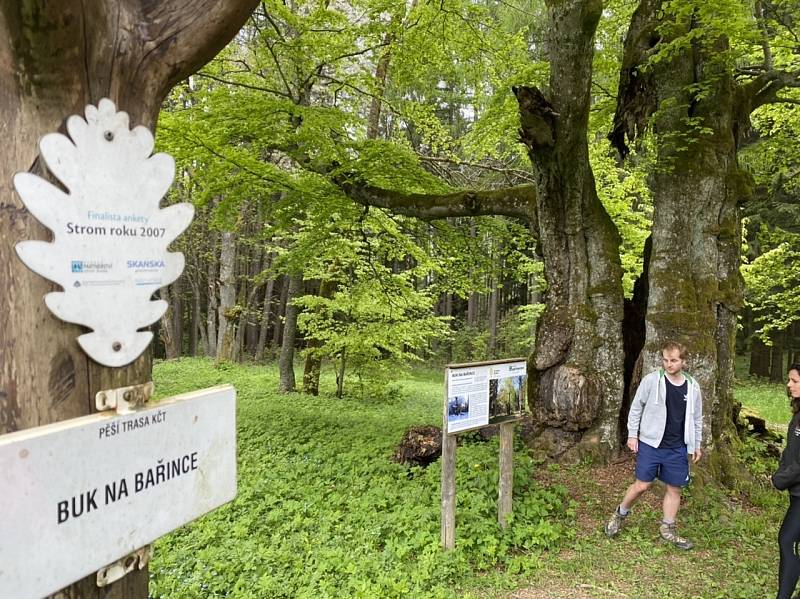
665, 425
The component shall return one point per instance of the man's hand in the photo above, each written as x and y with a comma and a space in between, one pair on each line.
698, 453
633, 444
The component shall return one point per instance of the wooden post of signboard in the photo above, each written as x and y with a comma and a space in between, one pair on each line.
464, 390
506, 472
448, 480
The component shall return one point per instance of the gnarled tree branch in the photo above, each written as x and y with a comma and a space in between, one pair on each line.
517, 202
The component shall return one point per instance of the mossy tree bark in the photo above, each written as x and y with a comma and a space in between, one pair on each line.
575, 373
55, 58
697, 112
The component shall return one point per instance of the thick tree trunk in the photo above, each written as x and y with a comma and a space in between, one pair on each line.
575, 373
56, 57
171, 329
695, 288
286, 361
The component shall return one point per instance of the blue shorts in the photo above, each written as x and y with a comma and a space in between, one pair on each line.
669, 465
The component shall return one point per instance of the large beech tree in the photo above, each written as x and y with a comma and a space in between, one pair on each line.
682, 86
576, 370
55, 58
678, 82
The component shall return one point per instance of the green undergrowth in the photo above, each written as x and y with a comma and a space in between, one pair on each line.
321, 510
766, 399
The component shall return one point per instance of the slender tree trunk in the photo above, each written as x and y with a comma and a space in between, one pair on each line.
381, 71
472, 309
759, 357
340, 375
313, 365
493, 319
575, 374
277, 332
227, 296
286, 362
177, 317
244, 330
776, 371
196, 326
211, 309
165, 330
265, 318
55, 58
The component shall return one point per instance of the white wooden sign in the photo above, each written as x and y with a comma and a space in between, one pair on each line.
79, 494
110, 237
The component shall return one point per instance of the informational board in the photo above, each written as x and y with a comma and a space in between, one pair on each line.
79, 494
484, 393
110, 235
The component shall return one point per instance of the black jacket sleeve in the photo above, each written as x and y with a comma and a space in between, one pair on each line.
788, 473
786, 476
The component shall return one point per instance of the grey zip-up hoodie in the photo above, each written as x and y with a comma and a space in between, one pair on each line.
648, 414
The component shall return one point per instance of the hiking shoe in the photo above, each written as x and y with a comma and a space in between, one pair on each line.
669, 534
614, 523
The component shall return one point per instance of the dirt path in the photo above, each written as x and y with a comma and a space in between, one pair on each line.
723, 564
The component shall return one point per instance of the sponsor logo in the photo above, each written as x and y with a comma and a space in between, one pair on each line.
145, 264
90, 266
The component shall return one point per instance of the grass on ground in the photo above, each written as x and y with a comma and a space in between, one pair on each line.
322, 512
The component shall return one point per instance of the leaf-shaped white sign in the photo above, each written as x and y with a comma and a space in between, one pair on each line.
109, 251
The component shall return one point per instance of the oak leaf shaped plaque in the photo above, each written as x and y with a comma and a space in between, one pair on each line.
110, 236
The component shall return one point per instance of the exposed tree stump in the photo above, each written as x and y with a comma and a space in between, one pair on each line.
420, 446
755, 426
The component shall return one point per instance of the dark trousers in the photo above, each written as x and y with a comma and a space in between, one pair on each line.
788, 539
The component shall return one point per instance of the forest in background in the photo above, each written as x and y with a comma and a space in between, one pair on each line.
416, 98
363, 197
